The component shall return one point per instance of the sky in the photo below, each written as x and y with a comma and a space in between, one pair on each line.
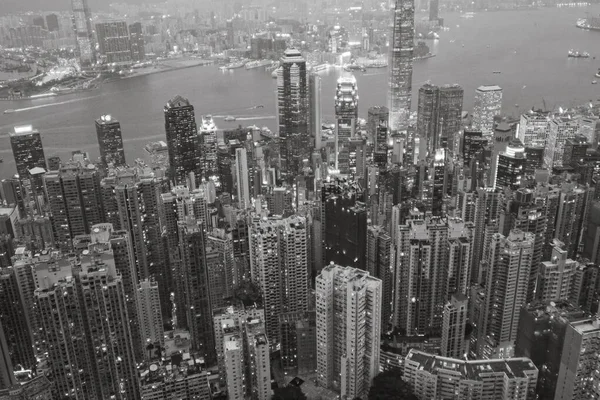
10, 6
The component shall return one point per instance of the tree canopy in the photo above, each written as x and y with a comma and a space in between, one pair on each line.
389, 385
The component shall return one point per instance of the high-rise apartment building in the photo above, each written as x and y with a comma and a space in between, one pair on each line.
569, 216
348, 329
488, 104
207, 133
242, 179
380, 265
454, 322
279, 264
435, 377
509, 263
258, 360
439, 118
84, 35
401, 64
182, 142
292, 109
556, 276
7, 377
110, 141
578, 376
27, 149
314, 92
432, 262
88, 336
149, 315
137, 42
114, 43
75, 201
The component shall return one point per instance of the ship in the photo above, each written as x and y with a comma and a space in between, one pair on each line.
354, 67
257, 64
320, 67
598, 73
230, 118
236, 65
421, 51
10, 111
590, 23
577, 54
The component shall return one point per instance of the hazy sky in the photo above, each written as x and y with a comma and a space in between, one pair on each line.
9, 6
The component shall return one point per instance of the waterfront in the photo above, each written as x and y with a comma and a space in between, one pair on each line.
529, 48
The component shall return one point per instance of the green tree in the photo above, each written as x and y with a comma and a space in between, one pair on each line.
288, 393
389, 385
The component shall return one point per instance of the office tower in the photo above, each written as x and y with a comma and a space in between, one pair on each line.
434, 6
379, 265
541, 336
279, 264
510, 260
533, 128
234, 365
82, 25
343, 223
439, 181
195, 296
14, 318
346, 112
52, 23
472, 143
75, 201
575, 150
509, 166
137, 42
241, 174
439, 117
569, 217
87, 332
208, 146
348, 329
591, 239
454, 321
182, 141
314, 82
431, 256
113, 42
578, 374
7, 378
534, 160
149, 315
435, 377
221, 242
27, 149
488, 104
557, 276
375, 116
292, 109
560, 128
110, 141
401, 64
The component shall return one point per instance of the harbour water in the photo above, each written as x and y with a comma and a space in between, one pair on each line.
528, 48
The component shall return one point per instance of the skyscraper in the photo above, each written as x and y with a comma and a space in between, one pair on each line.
7, 378
137, 42
279, 263
208, 146
453, 326
510, 166
52, 23
379, 265
439, 117
488, 104
401, 64
110, 141
113, 42
148, 312
346, 114
182, 142
560, 129
348, 329
510, 261
292, 108
242, 178
315, 108
557, 276
27, 149
82, 25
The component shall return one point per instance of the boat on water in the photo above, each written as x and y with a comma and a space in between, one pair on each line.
594, 82
468, 15
9, 111
230, 118
236, 65
257, 64
497, 72
577, 54
354, 67
590, 24
598, 73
